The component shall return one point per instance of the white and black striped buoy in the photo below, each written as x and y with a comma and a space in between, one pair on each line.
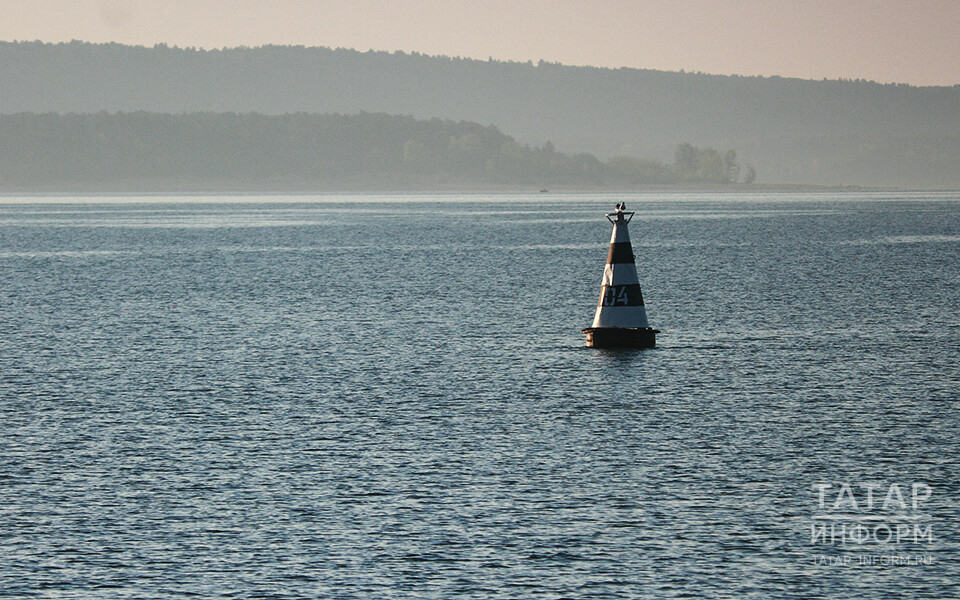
621, 317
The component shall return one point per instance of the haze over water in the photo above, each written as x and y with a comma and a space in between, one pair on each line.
388, 397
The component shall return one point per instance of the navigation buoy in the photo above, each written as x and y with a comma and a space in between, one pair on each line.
621, 318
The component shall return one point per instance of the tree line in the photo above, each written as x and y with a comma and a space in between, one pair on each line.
313, 150
795, 131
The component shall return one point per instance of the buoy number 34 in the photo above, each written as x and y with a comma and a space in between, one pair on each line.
621, 295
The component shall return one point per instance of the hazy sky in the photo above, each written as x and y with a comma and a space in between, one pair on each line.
904, 41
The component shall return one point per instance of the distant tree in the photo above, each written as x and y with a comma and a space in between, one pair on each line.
685, 160
710, 166
466, 153
415, 155
705, 164
730, 166
751, 175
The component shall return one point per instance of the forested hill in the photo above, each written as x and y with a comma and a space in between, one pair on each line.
794, 131
150, 151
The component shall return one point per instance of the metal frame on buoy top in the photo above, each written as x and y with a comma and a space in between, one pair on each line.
621, 317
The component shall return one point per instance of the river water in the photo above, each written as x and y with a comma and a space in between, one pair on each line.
388, 396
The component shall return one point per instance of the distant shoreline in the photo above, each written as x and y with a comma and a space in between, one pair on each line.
251, 188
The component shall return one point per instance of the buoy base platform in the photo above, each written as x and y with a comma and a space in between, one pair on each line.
621, 337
